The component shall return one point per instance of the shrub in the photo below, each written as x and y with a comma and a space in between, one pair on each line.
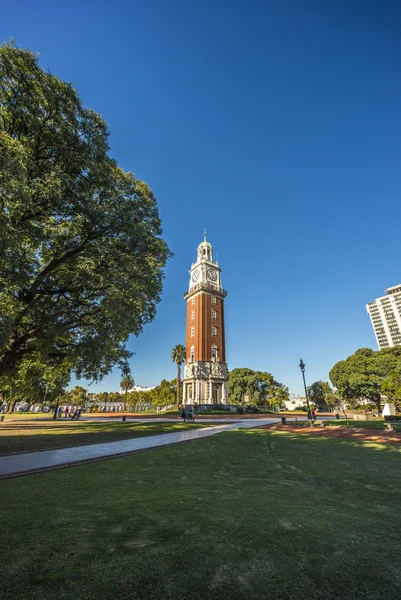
392, 417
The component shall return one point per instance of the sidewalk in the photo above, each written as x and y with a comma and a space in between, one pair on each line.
30, 462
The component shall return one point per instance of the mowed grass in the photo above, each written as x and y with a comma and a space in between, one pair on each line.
376, 424
29, 437
247, 514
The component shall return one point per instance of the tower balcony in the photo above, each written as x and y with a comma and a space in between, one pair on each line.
206, 287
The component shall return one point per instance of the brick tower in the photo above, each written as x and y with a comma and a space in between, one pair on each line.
205, 377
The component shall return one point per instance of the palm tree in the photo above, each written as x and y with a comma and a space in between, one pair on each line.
126, 383
178, 356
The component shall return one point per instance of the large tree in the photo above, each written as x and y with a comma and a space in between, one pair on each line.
362, 375
77, 396
164, 393
260, 386
391, 386
321, 394
34, 382
178, 356
81, 248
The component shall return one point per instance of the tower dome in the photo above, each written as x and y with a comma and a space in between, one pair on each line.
205, 249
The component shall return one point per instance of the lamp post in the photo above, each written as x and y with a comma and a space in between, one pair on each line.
302, 367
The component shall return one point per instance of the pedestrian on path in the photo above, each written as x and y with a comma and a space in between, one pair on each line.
67, 410
59, 411
183, 415
191, 415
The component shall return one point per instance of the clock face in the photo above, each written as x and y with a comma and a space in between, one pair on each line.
195, 276
212, 274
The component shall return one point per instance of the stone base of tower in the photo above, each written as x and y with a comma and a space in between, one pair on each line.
205, 382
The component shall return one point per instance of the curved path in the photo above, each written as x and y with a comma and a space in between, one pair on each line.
30, 462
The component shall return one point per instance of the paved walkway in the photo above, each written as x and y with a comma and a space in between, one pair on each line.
18, 464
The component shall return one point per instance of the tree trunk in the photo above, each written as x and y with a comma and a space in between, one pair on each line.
56, 409
11, 406
379, 408
178, 385
125, 400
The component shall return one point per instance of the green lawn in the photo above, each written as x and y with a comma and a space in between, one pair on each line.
243, 515
24, 416
376, 424
28, 437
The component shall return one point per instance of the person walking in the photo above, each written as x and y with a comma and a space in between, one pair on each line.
59, 411
313, 415
183, 415
67, 410
191, 415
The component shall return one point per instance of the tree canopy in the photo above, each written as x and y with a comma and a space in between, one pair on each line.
365, 374
321, 394
178, 355
260, 386
81, 247
162, 395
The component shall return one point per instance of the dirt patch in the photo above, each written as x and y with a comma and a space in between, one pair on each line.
357, 434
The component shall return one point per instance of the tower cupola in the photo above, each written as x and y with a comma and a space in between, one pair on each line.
205, 250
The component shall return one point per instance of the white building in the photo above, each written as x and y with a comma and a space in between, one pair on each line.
295, 402
138, 388
385, 314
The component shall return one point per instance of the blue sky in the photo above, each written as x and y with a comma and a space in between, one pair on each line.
275, 125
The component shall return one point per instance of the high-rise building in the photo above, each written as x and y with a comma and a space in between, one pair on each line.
205, 376
385, 314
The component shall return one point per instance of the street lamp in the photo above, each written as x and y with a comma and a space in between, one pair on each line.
302, 367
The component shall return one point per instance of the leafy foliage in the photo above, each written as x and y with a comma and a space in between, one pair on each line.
391, 386
259, 385
178, 356
81, 248
321, 394
367, 374
162, 395
126, 383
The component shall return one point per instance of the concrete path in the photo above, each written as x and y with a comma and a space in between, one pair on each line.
29, 462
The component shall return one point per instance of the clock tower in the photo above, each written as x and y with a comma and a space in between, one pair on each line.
205, 377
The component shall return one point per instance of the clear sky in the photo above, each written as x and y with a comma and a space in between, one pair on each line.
274, 124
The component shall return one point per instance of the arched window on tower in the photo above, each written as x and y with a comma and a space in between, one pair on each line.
192, 354
193, 315
192, 331
215, 352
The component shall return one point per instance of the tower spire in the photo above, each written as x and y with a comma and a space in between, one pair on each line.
204, 235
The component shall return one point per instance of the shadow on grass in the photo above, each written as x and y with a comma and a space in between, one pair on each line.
244, 514
17, 438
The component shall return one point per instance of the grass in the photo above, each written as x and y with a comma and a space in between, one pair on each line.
25, 416
46, 435
245, 514
378, 423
